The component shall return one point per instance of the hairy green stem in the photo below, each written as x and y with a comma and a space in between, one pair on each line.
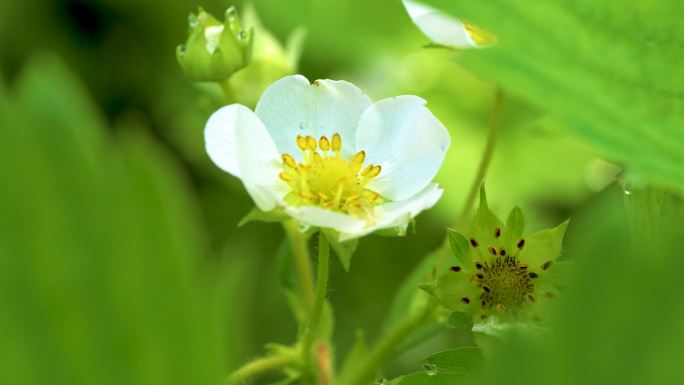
319, 298
484, 161
258, 366
299, 244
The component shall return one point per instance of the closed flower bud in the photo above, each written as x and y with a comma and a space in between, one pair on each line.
214, 50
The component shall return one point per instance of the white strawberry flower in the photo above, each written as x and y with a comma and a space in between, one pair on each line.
325, 155
446, 30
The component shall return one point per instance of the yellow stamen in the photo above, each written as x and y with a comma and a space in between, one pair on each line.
336, 142
289, 161
373, 172
317, 158
311, 143
338, 194
324, 143
331, 182
359, 157
301, 142
366, 170
372, 196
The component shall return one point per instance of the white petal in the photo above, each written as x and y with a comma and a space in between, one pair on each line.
403, 137
399, 213
293, 106
438, 26
320, 217
237, 141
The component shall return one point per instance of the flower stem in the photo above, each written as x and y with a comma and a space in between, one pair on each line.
384, 349
321, 280
484, 161
319, 298
299, 244
258, 366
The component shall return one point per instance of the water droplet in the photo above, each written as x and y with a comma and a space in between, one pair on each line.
242, 35
231, 13
182, 48
382, 381
430, 369
627, 192
192, 20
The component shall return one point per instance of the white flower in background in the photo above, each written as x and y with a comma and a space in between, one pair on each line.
326, 155
446, 30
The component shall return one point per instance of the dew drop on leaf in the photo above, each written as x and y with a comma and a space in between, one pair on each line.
430, 369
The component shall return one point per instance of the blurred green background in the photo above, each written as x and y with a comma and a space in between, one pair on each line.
120, 256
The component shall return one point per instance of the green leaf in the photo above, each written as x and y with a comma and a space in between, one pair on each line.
257, 215
102, 275
460, 361
459, 244
450, 367
577, 61
344, 250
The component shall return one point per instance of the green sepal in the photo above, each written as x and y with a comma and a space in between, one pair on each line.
256, 215
459, 320
543, 246
397, 231
459, 244
428, 287
344, 250
515, 225
484, 222
451, 287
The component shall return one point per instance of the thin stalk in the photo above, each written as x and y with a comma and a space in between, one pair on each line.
299, 244
257, 367
319, 297
384, 349
484, 161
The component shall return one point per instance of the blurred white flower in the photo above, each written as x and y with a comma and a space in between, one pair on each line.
327, 156
446, 30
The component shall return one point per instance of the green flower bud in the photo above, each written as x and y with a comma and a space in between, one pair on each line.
214, 51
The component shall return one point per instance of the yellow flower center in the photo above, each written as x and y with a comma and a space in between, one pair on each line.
327, 180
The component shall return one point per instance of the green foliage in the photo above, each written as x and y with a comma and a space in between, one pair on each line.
608, 75
100, 281
455, 366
